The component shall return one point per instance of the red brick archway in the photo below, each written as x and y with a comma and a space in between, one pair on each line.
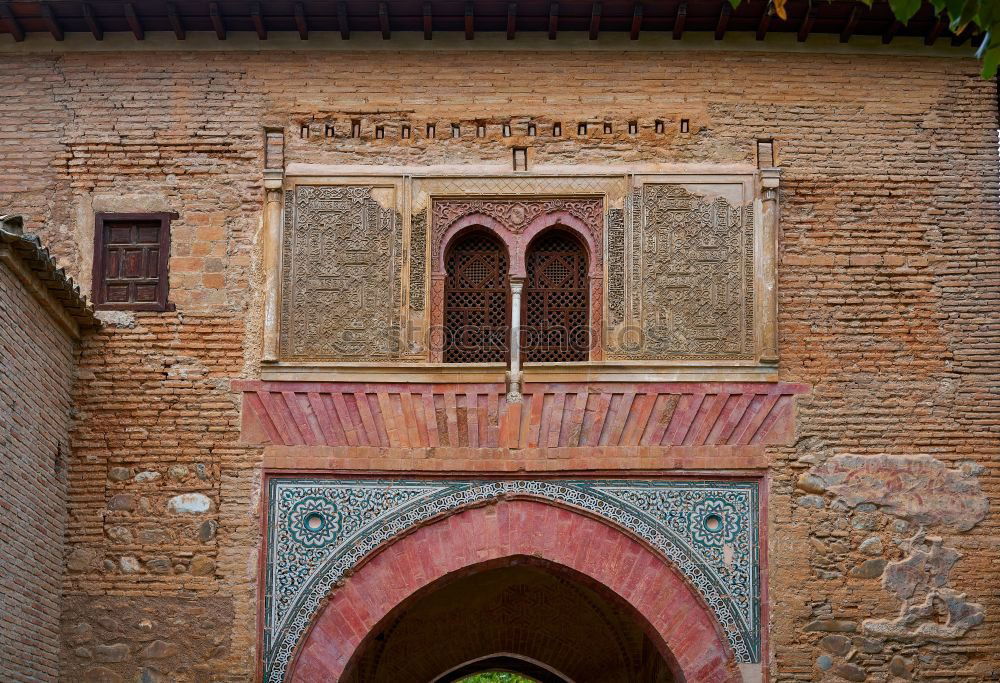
677, 620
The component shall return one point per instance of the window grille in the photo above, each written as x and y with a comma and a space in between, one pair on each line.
554, 311
476, 301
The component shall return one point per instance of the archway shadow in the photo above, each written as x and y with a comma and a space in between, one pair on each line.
548, 621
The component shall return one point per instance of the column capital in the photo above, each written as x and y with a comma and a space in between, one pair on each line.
770, 178
274, 178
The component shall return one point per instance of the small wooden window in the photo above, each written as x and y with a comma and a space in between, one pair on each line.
130, 261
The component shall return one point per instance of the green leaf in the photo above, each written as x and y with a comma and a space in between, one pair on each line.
988, 14
968, 12
990, 62
904, 9
954, 8
735, 3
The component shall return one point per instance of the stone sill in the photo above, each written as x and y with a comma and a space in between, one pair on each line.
616, 371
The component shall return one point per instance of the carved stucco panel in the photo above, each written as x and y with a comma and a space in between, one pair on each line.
616, 267
418, 260
341, 264
692, 271
516, 214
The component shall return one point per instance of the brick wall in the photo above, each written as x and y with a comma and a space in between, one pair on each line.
888, 297
37, 366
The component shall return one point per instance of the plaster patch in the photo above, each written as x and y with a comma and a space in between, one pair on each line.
116, 318
921, 620
918, 488
942, 613
929, 563
189, 503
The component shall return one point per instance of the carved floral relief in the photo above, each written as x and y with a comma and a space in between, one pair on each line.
693, 275
341, 263
516, 214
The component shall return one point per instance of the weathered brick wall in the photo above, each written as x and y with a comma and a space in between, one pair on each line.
889, 300
37, 366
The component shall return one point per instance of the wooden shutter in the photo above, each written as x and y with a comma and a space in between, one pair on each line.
476, 301
554, 307
130, 261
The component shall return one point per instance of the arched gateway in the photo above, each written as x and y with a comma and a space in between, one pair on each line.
665, 566
384, 562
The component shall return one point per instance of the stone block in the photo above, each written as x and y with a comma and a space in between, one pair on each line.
832, 625
838, 645
189, 504
116, 652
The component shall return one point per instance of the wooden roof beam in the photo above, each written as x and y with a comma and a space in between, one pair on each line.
852, 23
175, 21
636, 21
342, 21
92, 23
724, 14
511, 20
553, 19
682, 13
595, 20
13, 25
890, 31
470, 20
765, 23
808, 21
939, 26
217, 22
257, 16
51, 22
428, 21
301, 23
133, 21
383, 20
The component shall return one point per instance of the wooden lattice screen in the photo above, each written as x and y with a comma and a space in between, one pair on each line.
555, 301
476, 301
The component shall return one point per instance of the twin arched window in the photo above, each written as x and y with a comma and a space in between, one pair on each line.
554, 301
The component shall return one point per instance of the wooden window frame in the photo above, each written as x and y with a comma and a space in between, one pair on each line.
502, 248
162, 267
527, 325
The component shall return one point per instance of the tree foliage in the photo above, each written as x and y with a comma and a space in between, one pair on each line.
983, 13
496, 677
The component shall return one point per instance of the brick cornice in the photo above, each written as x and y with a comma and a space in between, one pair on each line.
567, 415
